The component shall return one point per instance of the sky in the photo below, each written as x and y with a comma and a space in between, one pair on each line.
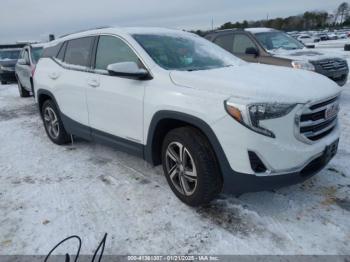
23, 20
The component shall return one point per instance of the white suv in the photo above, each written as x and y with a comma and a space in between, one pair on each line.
215, 123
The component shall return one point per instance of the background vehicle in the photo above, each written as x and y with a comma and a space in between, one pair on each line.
8, 60
25, 68
323, 36
332, 36
269, 46
308, 40
178, 100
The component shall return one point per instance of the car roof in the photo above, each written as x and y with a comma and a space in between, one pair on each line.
121, 31
260, 30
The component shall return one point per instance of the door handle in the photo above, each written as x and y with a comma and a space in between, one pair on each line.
93, 82
54, 75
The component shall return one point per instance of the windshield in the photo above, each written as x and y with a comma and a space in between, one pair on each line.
9, 54
184, 51
36, 54
278, 40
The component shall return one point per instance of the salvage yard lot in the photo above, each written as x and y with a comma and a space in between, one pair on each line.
48, 192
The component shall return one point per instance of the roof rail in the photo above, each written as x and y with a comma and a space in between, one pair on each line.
224, 30
84, 30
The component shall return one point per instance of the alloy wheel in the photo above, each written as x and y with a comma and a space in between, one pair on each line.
51, 122
181, 168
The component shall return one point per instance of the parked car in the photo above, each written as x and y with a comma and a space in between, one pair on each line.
25, 68
342, 36
8, 59
308, 40
269, 46
323, 37
215, 122
332, 36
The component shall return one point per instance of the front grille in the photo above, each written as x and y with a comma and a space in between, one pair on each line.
335, 69
332, 65
318, 120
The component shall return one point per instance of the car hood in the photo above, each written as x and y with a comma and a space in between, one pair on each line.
259, 83
302, 54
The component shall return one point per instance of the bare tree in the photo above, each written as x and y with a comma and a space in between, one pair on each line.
342, 12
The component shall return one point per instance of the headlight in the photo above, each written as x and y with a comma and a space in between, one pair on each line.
251, 115
303, 65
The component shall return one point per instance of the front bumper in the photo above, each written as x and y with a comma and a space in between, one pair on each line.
287, 159
238, 183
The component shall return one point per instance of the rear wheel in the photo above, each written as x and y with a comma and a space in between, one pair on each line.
190, 166
22, 92
53, 124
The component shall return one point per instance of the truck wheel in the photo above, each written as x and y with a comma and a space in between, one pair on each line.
3, 82
190, 166
22, 91
53, 124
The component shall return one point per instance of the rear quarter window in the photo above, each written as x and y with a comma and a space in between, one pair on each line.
78, 51
51, 51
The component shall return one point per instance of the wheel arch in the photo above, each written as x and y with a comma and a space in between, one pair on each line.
164, 121
44, 95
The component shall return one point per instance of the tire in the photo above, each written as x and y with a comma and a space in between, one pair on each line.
53, 124
22, 92
3, 82
202, 181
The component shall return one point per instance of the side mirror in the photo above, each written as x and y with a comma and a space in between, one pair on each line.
128, 70
252, 51
22, 61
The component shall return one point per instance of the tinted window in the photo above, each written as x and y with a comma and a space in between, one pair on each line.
225, 41
51, 51
241, 43
78, 51
112, 50
61, 53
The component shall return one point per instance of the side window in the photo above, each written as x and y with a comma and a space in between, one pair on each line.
225, 41
21, 56
51, 51
60, 55
78, 51
112, 50
241, 42
26, 55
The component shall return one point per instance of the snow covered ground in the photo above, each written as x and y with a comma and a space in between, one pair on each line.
333, 43
48, 192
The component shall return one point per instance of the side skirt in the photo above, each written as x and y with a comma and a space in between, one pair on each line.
91, 134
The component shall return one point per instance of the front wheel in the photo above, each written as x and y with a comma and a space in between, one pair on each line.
190, 166
53, 124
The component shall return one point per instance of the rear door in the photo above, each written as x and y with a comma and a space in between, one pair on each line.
115, 103
71, 81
